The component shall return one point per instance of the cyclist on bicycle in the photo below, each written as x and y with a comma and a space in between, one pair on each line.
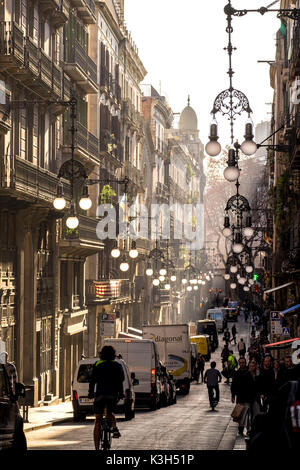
108, 375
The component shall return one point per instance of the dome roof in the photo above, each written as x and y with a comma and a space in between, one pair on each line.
188, 119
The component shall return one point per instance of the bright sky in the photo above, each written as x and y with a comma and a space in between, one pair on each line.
181, 45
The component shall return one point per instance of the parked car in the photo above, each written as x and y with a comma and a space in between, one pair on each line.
209, 327
83, 406
203, 345
217, 315
142, 357
12, 435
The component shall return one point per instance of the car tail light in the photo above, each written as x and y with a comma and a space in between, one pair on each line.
153, 375
75, 396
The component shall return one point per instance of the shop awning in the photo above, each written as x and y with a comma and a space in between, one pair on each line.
278, 287
291, 309
282, 344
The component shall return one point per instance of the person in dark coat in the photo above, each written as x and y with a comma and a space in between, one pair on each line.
233, 331
266, 381
243, 390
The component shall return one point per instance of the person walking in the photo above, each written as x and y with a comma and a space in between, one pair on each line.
266, 382
226, 336
212, 378
243, 391
232, 365
234, 332
241, 347
200, 366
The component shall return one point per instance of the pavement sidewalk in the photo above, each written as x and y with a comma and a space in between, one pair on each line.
44, 416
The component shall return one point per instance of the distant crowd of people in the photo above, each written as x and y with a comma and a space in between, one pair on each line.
267, 389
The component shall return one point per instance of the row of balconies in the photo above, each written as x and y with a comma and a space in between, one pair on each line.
22, 57
294, 64
110, 145
109, 85
56, 10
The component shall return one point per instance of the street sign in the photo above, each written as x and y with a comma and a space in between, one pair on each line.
285, 331
275, 315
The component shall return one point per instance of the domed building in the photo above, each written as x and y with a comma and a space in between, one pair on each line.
188, 120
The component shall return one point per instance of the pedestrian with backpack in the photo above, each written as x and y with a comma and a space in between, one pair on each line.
232, 365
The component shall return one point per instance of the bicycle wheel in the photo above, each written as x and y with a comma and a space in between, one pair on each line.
106, 442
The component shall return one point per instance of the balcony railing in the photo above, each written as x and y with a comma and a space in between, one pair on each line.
58, 12
86, 9
131, 114
81, 67
84, 140
114, 289
294, 65
134, 174
31, 56
11, 44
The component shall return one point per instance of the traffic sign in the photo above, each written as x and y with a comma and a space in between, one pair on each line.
286, 331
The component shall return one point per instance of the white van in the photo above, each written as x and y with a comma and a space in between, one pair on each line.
83, 406
217, 315
142, 358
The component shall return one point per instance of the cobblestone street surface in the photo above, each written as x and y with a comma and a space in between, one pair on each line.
188, 425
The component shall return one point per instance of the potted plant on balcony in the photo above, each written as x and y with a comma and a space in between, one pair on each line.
107, 195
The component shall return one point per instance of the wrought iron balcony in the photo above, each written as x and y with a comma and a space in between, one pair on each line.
31, 57
83, 240
117, 290
87, 144
80, 67
132, 116
11, 46
294, 64
33, 181
134, 174
86, 10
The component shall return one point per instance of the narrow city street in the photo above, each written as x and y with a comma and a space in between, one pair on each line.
188, 425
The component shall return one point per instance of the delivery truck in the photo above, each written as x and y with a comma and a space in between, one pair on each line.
173, 345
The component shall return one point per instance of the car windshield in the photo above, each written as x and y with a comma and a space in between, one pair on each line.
84, 373
205, 328
218, 316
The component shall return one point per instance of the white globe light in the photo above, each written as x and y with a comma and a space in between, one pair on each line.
189, 288
149, 271
237, 247
251, 282
231, 173
124, 266
246, 288
85, 203
238, 276
226, 277
249, 268
167, 286
161, 278
203, 283
227, 232
248, 147
115, 253
233, 269
184, 281
59, 203
242, 280
233, 285
72, 222
248, 232
156, 282
213, 148
133, 253
195, 287
207, 278
199, 281
162, 271
173, 278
